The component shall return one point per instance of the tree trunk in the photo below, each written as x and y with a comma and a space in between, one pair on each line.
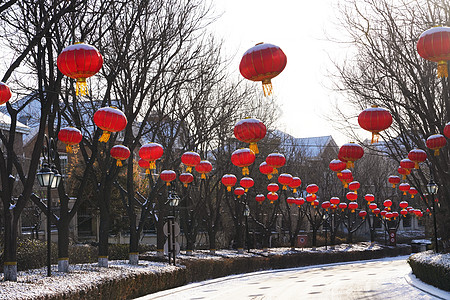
212, 240
10, 251
314, 237
105, 220
160, 238
63, 235
134, 243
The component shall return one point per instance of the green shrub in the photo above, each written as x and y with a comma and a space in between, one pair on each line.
438, 276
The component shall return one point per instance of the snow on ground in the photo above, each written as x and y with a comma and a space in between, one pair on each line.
437, 259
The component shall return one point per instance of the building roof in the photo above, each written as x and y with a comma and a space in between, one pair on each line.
5, 124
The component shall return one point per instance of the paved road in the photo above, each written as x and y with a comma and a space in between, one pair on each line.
377, 279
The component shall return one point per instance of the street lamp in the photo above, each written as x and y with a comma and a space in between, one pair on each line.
432, 188
173, 200
49, 177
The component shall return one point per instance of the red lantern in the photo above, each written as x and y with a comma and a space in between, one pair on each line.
354, 186
404, 172
404, 187
351, 196
428, 211
312, 189
412, 191
311, 197
290, 200
70, 136
418, 212
404, 212
353, 206
388, 215
395, 214
203, 167
120, 152
273, 187
262, 63
403, 204
436, 142
190, 159
394, 180
434, 45
342, 206
246, 183
417, 156
410, 209
144, 164
345, 177
363, 214
151, 152
337, 165
315, 203
79, 62
229, 180
243, 158
373, 206
167, 176
387, 203
186, 178
376, 211
326, 205
295, 183
407, 164
239, 191
375, 119
5, 93
265, 169
109, 119
299, 201
285, 179
383, 213
272, 197
369, 198
350, 153
260, 198
447, 130
276, 161
250, 131
335, 200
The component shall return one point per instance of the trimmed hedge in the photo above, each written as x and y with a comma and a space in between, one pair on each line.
438, 276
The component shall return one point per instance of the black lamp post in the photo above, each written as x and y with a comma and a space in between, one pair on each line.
432, 188
173, 200
246, 215
49, 177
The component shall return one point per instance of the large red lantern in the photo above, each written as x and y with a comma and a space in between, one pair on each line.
260, 198
250, 131
109, 119
375, 119
70, 136
350, 153
239, 191
373, 206
404, 172
151, 152
272, 197
388, 215
404, 187
285, 179
311, 197
203, 167
436, 142
295, 183
312, 189
337, 165
335, 200
265, 169
354, 186
145, 165
229, 180
246, 183
403, 204
79, 62
369, 198
404, 212
243, 158
413, 191
120, 152
434, 45
407, 164
447, 130
351, 196
273, 187
5, 93
393, 179
387, 203
186, 178
299, 201
345, 177
353, 206
326, 205
290, 200
262, 63
168, 176
417, 156
376, 211
342, 206
190, 159
276, 161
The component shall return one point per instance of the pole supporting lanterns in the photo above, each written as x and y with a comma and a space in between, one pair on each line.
432, 188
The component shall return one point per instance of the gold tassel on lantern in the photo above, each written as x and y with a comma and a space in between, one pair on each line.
189, 169
152, 165
185, 185
269, 176
375, 137
69, 149
119, 163
436, 152
284, 187
267, 87
254, 147
442, 69
245, 171
168, 183
229, 188
203, 176
105, 136
81, 87
294, 191
147, 171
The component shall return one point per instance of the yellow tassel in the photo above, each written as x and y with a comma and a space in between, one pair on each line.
189, 169
269, 176
69, 149
168, 183
393, 185
245, 171
345, 184
404, 177
119, 163
185, 185
229, 188
246, 190
404, 193
152, 165
105, 136
275, 171
203, 176
442, 69
267, 87
254, 148
294, 191
147, 171
353, 210
284, 187
412, 196
81, 87
416, 165
375, 137
436, 152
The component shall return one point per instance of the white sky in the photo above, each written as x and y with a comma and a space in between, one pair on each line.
298, 28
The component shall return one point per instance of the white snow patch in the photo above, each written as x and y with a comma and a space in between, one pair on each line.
436, 259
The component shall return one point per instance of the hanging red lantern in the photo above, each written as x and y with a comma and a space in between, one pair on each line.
354, 186
350, 153
395, 214
276, 161
250, 131
417, 156
265, 169
337, 166
190, 159
167, 176
273, 187
404, 187
447, 130
417, 212
436, 142
388, 215
290, 200
353, 206
351, 196
272, 197
119, 152
203, 167
262, 63
373, 206
404, 212
80, 61
311, 197
335, 200
145, 165
299, 201
434, 45
151, 152
295, 183
243, 158
312, 189
229, 180
413, 191
375, 119
345, 177
5, 93
428, 211
326, 205
315, 203
376, 211
387, 204
70, 136
342, 206
407, 164
394, 180
260, 198
403, 204
410, 209
362, 214
383, 213
239, 191
109, 119
186, 178
404, 172
369, 198
246, 183
285, 179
